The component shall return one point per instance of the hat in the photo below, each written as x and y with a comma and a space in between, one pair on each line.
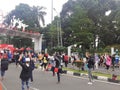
27, 59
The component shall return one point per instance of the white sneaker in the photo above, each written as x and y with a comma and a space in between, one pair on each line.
90, 83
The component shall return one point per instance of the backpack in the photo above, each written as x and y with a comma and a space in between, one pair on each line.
91, 62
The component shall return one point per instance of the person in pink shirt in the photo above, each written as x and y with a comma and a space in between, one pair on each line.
108, 61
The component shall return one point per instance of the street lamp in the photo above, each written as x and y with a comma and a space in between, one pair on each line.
58, 24
51, 11
61, 43
59, 29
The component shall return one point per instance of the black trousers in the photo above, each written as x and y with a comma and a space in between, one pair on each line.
52, 69
58, 76
66, 62
31, 76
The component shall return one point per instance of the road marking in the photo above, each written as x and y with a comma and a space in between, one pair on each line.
87, 79
94, 79
3, 86
34, 88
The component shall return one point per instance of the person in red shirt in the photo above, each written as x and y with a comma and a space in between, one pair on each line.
66, 59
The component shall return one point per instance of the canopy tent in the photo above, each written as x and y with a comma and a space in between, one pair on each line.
7, 47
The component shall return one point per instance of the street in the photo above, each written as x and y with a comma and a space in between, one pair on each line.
43, 80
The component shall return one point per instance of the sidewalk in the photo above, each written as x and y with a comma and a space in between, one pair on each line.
100, 69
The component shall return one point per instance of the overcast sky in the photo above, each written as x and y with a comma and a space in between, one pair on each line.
8, 5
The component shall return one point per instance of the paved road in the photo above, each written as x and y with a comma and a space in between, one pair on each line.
45, 81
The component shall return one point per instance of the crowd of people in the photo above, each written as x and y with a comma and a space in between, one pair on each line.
51, 62
95, 61
29, 60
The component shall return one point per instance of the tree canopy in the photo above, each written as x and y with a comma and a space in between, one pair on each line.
31, 16
82, 20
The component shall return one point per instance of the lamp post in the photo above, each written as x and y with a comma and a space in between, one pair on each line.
51, 44
51, 11
59, 29
61, 43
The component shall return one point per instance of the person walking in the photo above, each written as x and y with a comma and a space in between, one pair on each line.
90, 64
66, 59
108, 62
58, 66
16, 57
52, 62
10, 56
4, 65
113, 62
25, 73
33, 67
96, 57
40, 56
44, 64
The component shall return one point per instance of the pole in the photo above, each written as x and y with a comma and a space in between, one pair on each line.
59, 28
51, 20
51, 11
60, 34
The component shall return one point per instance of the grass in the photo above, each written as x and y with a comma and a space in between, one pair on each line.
94, 73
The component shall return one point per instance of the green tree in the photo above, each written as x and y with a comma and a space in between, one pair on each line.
82, 20
31, 16
76, 25
40, 13
51, 33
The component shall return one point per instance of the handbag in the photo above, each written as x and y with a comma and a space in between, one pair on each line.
56, 70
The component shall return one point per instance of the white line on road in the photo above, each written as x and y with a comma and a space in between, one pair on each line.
87, 79
34, 88
3, 86
94, 80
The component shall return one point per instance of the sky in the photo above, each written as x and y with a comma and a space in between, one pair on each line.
8, 5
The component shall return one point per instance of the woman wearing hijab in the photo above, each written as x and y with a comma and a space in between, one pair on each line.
25, 73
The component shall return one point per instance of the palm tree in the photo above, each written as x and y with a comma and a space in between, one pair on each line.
40, 13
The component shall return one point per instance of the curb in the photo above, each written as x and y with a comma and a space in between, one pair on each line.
95, 77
